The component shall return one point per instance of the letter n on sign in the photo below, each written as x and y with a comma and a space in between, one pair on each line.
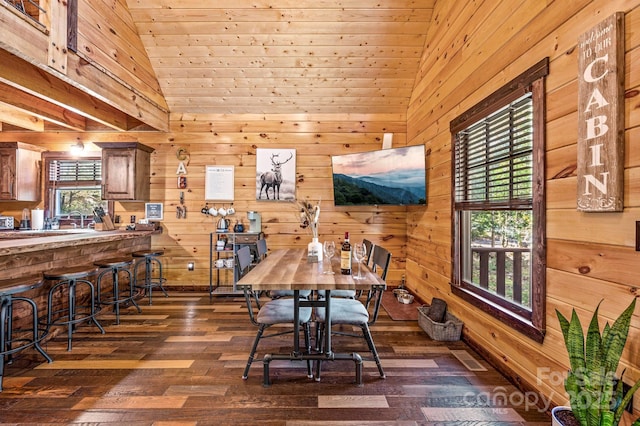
601, 117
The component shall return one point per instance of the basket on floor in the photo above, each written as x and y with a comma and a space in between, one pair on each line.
447, 331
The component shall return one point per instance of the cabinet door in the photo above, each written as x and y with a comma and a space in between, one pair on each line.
118, 174
7, 174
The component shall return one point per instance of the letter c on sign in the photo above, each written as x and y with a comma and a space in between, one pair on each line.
588, 75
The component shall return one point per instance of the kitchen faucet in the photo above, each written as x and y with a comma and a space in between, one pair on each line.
81, 218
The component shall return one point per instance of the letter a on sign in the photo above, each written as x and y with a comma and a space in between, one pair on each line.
601, 117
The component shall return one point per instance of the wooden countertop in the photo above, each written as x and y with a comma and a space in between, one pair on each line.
58, 239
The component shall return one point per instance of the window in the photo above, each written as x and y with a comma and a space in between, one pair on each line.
498, 204
73, 188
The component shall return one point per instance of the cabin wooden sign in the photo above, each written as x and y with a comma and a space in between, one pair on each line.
600, 167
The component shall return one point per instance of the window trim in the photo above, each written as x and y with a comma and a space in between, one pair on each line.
50, 156
534, 324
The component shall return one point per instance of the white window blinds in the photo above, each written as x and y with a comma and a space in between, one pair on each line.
86, 171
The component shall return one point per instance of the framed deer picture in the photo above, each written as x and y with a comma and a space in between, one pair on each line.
275, 174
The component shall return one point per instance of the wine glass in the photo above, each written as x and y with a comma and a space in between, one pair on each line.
359, 253
329, 248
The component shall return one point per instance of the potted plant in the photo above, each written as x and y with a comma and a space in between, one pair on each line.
595, 393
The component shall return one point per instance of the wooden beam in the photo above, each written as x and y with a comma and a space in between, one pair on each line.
83, 80
45, 110
11, 115
98, 82
57, 52
33, 80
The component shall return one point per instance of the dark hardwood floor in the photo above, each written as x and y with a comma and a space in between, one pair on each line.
180, 362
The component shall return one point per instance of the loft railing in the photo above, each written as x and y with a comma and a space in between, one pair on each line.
503, 271
29, 8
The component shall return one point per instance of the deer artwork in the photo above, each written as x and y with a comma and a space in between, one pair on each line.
273, 178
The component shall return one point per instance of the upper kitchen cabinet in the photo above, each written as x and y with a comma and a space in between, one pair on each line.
20, 171
125, 171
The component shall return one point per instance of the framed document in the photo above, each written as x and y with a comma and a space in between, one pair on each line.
218, 184
153, 211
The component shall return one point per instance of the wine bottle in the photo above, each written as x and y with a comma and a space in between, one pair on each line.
345, 256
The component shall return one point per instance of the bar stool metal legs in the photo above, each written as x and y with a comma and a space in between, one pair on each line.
150, 259
118, 296
10, 343
71, 314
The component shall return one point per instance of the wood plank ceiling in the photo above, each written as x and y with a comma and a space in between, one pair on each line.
284, 56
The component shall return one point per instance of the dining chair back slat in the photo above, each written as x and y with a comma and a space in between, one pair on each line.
382, 260
244, 260
370, 248
261, 247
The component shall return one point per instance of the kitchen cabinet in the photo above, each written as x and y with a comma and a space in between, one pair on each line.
20, 171
126, 169
223, 246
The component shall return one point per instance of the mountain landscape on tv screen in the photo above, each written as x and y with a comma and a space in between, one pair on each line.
400, 188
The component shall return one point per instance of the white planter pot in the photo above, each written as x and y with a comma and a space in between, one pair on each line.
554, 410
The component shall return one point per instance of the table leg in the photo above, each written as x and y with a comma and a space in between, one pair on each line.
296, 321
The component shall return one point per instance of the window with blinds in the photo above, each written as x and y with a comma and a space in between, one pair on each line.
82, 172
493, 160
498, 203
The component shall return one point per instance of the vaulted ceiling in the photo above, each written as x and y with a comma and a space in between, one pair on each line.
284, 56
275, 56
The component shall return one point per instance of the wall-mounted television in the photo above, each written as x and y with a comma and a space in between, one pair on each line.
394, 176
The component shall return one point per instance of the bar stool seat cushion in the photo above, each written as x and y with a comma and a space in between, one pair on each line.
280, 311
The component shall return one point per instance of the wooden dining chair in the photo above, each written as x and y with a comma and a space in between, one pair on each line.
354, 313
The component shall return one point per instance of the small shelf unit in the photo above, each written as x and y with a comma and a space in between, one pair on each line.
223, 279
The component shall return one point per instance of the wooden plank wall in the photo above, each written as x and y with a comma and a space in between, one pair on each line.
233, 140
108, 39
472, 51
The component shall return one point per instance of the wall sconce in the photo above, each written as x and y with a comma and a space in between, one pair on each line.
77, 148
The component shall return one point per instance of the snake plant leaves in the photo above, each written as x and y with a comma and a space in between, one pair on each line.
596, 396
573, 340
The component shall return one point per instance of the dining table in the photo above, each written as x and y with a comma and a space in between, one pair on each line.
291, 269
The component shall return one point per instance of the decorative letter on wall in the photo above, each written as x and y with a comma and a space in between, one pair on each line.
601, 117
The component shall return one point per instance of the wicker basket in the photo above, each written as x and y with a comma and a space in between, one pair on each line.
447, 331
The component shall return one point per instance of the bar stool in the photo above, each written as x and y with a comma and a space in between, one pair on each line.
118, 296
9, 336
149, 258
71, 314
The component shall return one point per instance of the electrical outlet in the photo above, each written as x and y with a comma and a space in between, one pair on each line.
191, 266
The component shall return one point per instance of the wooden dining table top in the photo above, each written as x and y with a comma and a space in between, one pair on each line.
288, 269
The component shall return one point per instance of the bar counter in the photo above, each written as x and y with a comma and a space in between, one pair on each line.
25, 253
21, 242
